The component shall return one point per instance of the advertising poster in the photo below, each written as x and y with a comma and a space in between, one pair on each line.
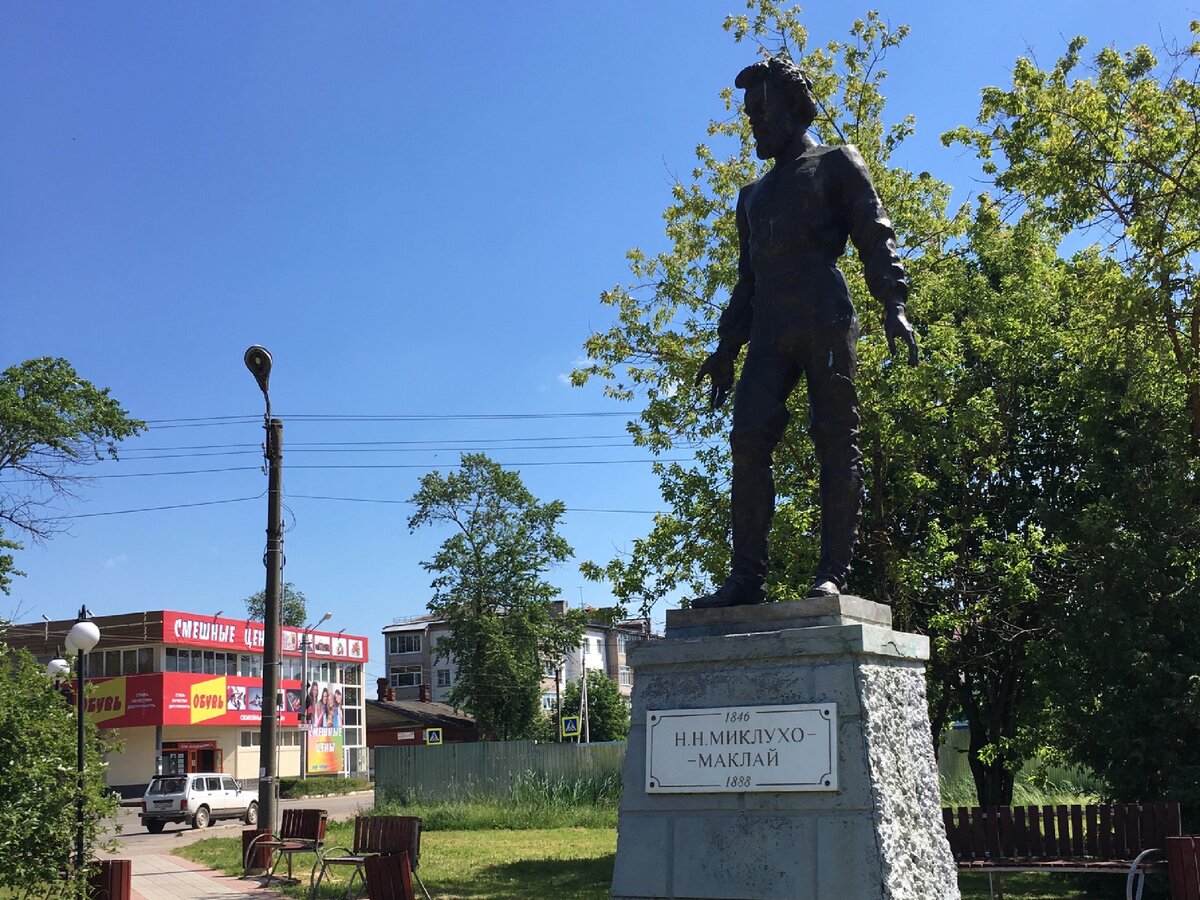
323, 704
180, 698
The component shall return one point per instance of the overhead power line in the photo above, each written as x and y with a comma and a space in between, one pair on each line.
203, 421
331, 466
124, 512
645, 512
142, 509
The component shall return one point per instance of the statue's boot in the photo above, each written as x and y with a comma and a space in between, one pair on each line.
841, 506
733, 593
752, 505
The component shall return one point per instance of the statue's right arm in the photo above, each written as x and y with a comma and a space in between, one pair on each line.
733, 328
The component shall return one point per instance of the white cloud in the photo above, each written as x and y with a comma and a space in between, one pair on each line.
113, 561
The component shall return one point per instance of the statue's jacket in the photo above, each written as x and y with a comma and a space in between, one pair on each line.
793, 224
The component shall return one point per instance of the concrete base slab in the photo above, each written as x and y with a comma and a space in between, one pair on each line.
878, 837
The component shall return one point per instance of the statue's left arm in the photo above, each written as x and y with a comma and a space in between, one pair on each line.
871, 231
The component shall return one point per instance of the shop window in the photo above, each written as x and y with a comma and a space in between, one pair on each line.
112, 663
197, 662
352, 697
351, 715
354, 674
145, 660
353, 736
251, 738
128, 662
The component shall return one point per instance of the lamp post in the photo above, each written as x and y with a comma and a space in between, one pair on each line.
82, 637
258, 361
305, 638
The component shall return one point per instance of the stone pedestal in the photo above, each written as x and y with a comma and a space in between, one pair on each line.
879, 836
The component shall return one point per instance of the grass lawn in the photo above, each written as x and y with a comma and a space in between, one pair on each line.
577, 864
536, 864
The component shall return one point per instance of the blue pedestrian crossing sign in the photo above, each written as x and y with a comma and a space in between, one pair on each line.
570, 726
433, 737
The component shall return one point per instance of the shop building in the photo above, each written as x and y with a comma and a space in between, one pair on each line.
184, 692
403, 723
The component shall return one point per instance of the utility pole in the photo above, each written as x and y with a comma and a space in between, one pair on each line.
273, 560
558, 672
258, 361
306, 705
584, 733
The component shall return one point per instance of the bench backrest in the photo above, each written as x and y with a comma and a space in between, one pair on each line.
303, 825
1183, 867
389, 877
1109, 831
388, 834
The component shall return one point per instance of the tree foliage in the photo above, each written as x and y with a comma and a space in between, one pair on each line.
52, 422
38, 784
1111, 148
293, 606
490, 589
608, 714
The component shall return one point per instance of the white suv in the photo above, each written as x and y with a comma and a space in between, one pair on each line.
197, 799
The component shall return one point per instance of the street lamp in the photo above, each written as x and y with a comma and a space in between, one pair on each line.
305, 642
258, 361
80, 640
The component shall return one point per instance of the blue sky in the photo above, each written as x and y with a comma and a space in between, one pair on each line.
414, 206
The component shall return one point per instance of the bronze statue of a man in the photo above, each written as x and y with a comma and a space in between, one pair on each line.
792, 305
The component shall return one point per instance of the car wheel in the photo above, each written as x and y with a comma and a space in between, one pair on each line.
251, 817
200, 820
155, 827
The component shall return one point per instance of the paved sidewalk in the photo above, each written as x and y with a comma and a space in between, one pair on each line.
157, 877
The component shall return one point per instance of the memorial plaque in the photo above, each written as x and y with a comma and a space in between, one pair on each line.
732, 749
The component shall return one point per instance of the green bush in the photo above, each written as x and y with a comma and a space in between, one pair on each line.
295, 788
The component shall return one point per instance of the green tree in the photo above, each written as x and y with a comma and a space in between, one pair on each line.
608, 714
52, 422
1112, 148
293, 606
38, 784
1109, 148
490, 589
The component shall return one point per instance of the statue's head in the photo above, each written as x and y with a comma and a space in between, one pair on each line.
778, 101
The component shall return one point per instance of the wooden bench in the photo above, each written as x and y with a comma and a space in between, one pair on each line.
375, 836
389, 877
1121, 838
300, 831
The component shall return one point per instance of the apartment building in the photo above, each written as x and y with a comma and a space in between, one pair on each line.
412, 660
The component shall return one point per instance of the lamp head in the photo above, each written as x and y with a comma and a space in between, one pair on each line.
82, 637
58, 668
258, 361
326, 617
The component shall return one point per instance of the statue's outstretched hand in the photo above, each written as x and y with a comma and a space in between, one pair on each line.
719, 368
896, 325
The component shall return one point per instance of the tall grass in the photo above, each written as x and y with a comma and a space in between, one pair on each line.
534, 801
1068, 788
